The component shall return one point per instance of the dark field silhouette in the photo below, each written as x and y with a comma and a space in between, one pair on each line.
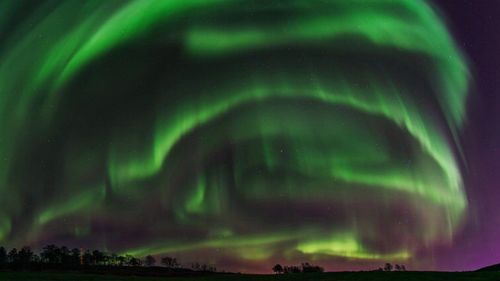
333, 276
61, 263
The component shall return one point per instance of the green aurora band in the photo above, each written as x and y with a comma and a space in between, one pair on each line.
254, 130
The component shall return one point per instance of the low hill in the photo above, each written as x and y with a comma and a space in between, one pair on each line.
494, 267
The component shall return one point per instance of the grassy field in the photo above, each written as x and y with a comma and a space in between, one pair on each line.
335, 276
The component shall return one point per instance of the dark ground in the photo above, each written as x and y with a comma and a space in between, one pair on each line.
334, 276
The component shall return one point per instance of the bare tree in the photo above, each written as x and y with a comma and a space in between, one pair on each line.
170, 262
195, 266
149, 260
13, 256
3, 257
278, 268
25, 256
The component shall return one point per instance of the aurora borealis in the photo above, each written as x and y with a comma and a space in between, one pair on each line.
238, 133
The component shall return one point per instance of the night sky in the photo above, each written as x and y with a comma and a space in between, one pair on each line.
246, 133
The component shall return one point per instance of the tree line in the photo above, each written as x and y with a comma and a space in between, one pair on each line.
390, 267
307, 267
54, 257
303, 268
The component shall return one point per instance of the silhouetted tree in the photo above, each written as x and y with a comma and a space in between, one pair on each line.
25, 256
13, 257
307, 267
98, 257
121, 260
113, 259
35, 259
194, 266
87, 258
132, 261
403, 267
75, 257
149, 260
65, 256
291, 269
208, 268
169, 262
388, 267
3, 257
51, 254
278, 268
106, 259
